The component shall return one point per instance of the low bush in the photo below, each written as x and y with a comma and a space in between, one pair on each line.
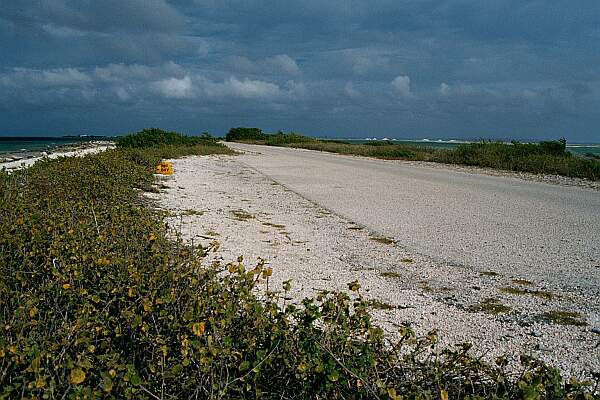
96, 301
378, 143
154, 137
244, 134
256, 136
543, 158
281, 138
592, 156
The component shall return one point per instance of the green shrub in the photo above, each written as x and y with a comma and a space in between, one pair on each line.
97, 302
554, 147
241, 134
154, 137
281, 138
592, 155
542, 158
377, 143
255, 135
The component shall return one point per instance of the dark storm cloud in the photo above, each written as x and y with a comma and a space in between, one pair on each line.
99, 16
411, 68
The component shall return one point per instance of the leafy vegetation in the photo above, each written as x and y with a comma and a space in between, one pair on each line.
391, 274
537, 293
281, 138
548, 157
382, 239
489, 273
564, 318
154, 137
98, 301
541, 158
491, 306
256, 136
244, 134
593, 156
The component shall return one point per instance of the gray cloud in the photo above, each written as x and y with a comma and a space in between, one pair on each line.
284, 63
348, 67
173, 88
113, 15
401, 85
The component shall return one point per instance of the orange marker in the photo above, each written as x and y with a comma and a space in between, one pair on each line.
164, 168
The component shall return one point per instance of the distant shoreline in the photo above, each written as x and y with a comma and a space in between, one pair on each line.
426, 140
575, 148
13, 144
17, 148
28, 158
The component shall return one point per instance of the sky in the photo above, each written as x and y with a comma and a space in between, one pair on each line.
338, 68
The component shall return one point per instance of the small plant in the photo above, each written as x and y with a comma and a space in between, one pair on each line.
382, 240
564, 318
276, 226
355, 228
424, 285
489, 273
537, 293
379, 305
192, 212
391, 274
491, 306
242, 215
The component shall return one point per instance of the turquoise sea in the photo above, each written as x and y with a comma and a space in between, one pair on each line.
576, 148
26, 145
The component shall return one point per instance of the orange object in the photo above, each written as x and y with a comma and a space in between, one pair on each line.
164, 168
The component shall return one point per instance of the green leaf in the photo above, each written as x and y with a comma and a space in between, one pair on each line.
244, 366
136, 380
176, 370
333, 376
107, 384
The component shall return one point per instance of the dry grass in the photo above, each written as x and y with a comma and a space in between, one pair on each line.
382, 240
523, 282
489, 273
491, 306
564, 318
379, 305
242, 215
537, 293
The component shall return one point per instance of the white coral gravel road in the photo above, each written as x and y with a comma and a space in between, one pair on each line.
546, 233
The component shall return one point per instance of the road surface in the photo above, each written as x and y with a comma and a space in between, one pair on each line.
542, 232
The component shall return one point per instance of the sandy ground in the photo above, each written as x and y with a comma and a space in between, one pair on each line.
250, 214
77, 151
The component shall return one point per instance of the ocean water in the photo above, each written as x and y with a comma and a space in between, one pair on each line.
25, 145
575, 148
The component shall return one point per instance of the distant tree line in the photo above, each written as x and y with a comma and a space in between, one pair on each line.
240, 133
